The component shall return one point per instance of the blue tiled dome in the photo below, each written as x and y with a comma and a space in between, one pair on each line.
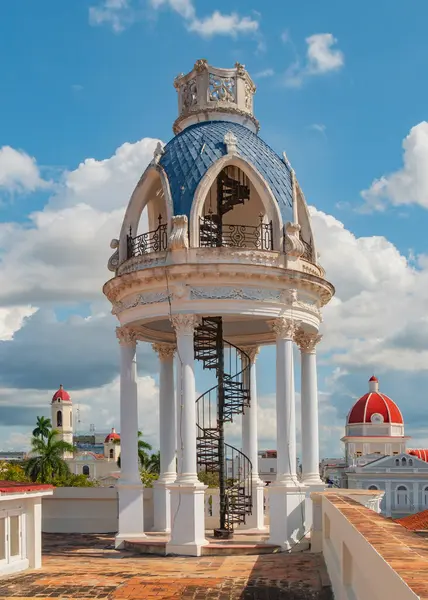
185, 163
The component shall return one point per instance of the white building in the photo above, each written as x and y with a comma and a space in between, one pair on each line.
102, 467
216, 256
376, 455
21, 525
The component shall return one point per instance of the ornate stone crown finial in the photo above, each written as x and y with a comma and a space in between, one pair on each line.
208, 94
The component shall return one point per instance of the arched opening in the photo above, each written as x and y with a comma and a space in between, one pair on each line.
373, 487
85, 470
147, 220
111, 453
404, 462
402, 496
410, 462
397, 462
59, 418
234, 207
425, 494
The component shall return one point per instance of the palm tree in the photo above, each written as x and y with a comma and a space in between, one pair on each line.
42, 427
142, 447
152, 464
47, 459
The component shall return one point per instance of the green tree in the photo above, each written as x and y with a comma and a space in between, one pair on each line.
47, 459
143, 446
209, 479
43, 427
12, 472
152, 463
71, 480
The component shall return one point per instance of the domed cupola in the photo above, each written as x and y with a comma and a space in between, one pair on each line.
375, 408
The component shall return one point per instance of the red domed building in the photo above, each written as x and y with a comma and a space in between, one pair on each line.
374, 426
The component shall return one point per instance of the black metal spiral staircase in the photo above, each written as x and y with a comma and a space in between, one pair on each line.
214, 408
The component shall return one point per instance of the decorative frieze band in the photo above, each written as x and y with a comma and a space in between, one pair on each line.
164, 351
184, 323
141, 299
307, 341
285, 329
126, 335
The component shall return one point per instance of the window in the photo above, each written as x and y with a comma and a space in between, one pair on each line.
396, 453
272, 470
85, 470
425, 495
14, 536
410, 462
111, 453
359, 453
397, 462
59, 419
373, 487
404, 462
402, 496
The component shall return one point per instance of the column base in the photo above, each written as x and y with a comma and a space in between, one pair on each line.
162, 506
187, 519
312, 479
286, 515
131, 512
256, 520
309, 505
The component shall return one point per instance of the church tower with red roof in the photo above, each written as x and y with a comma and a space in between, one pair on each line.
374, 426
62, 416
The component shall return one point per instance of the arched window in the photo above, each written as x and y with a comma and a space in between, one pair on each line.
373, 487
111, 453
402, 496
59, 418
404, 462
425, 495
397, 462
85, 470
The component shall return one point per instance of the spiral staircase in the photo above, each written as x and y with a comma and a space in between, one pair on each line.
214, 408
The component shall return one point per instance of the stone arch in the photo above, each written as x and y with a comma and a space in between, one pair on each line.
85, 470
111, 453
260, 184
153, 177
59, 418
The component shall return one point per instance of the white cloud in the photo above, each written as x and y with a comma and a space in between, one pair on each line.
320, 127
321, 58
118, 14
12, 319
18, 171
220, 24
408, 185
265, 73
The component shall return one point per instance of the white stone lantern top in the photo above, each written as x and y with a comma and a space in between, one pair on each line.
211, 94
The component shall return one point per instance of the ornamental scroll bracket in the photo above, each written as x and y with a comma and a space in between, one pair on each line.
293, 245
113, 262
179, 238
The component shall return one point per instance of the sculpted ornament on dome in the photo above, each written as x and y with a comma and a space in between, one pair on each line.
201, 65
307, 341
189, 94
164, 351
179, 238
230, 141
285, 328
293, 245
126, 335
184, 324
240, 69
113, 262
158, 153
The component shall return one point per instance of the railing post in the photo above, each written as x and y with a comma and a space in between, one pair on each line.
271, 235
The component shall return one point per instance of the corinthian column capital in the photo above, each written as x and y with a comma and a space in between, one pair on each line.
307, 341
184, 324
164, 351
285, 328
126, 335
251, 352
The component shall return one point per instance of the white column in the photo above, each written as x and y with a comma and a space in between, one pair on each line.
130, 489
388, 499
33, 527
309, 407
187, 493
286, 496
250, 443
415, 507
167, 438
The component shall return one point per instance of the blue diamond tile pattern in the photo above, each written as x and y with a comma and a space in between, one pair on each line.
190, 154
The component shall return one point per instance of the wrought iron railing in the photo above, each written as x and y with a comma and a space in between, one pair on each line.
152, 241
307, 254
214, 234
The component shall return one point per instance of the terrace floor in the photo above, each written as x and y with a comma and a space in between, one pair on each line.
87, 566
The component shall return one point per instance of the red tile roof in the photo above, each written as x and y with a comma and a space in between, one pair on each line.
14, 487
61, 394
417, 522
371, 403
419, 453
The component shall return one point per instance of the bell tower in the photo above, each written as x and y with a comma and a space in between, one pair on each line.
62, 417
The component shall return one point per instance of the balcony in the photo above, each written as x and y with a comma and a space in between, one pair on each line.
214, 234
151, 241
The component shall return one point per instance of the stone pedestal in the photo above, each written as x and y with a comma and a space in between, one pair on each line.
287, 515
131, 513
309, 505
161, 506
187, 519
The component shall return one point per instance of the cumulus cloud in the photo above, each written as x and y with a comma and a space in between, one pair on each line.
408, 185
321, 58
119, 14
18, 171
265, 73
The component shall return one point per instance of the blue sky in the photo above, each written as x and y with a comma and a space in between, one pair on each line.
82, 78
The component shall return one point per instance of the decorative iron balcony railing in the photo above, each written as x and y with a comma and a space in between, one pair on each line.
152, 241
214, 234
307, 254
